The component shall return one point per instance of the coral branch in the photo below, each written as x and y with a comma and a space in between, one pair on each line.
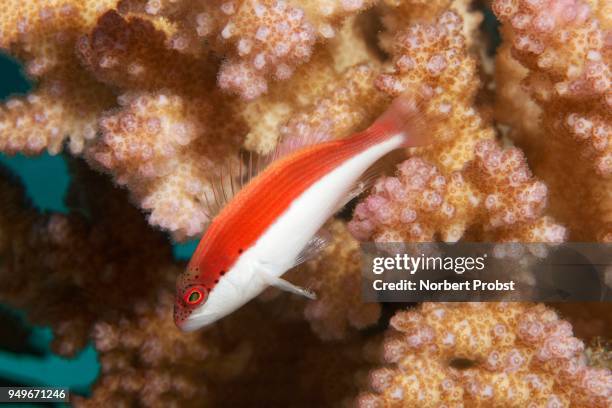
67, 101
261, 40
158, 145
554, 90
494, 191
484, 354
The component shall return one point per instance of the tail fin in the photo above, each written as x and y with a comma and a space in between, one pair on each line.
406, 115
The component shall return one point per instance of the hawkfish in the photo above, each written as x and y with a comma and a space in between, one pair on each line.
273, 221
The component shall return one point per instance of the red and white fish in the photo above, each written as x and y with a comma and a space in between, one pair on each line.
271, 224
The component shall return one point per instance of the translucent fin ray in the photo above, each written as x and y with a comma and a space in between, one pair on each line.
235, 174
316, 244
292, 143
223, 187
285, 285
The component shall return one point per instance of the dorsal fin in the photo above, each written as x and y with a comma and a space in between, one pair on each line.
230, 177
290, 142
235, 174
238, 171
225, 183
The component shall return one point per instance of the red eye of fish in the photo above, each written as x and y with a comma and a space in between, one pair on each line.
194, 296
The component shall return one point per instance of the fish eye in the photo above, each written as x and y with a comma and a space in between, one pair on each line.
194, 295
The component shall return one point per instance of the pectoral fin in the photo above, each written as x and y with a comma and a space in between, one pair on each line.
313, 247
